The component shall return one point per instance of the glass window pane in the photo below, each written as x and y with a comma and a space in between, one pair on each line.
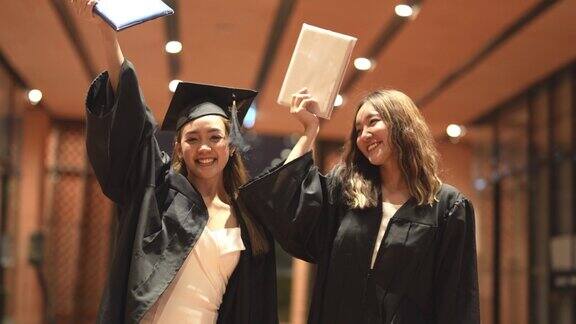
514, 254
513, 139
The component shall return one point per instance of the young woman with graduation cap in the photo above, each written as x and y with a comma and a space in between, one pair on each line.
184, 252
392, 244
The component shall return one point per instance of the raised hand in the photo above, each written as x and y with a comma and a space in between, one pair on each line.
302, 101
85, 10
114, 57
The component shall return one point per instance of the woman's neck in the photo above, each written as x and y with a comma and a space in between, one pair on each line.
211, 190
394, 187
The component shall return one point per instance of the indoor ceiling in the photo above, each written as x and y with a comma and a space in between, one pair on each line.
456, 58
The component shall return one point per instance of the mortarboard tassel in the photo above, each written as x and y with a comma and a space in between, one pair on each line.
235, 135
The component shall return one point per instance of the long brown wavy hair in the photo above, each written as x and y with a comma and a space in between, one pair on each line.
235, 175
412, 145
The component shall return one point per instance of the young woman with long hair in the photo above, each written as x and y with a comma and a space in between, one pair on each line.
185, 251
391, 242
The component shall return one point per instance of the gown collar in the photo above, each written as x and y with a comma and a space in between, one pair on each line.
179, 182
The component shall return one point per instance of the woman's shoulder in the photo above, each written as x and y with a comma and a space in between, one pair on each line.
449, 193
450, 198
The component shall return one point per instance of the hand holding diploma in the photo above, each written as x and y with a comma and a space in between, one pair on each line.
301, 106
114, 56
85, 10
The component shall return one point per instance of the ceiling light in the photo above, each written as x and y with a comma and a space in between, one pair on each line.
363, 64
250, 118
454, 131
404, 10
480, 184
34, 96
173, 47
339, 101
173, 85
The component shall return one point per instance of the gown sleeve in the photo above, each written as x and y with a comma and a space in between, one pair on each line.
120, 141
456, 276
294, 204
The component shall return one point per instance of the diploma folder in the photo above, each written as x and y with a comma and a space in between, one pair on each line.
318, 63
121, 14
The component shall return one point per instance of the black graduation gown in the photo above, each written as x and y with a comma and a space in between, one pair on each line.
160, 214
425, 270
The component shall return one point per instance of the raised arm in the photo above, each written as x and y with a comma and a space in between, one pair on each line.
112, 50
299, 109
120, 140
294, 200
114, 56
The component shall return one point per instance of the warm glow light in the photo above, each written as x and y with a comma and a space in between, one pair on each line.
250, 118
173, 85
339, 101
363, 64
173, 47
403, 10
480, 184
454, 130
34, 96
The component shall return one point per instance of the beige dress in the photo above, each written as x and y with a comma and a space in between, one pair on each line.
195, 294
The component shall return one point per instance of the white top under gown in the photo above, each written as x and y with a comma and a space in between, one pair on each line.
196, 292
388, 210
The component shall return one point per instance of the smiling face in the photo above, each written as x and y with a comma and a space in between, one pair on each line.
204, 147
373, 136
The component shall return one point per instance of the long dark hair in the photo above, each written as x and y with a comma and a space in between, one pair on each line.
235, 175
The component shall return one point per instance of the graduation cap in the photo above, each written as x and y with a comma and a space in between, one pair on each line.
195, 100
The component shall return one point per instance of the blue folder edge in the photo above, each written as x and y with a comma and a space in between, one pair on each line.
135, 22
